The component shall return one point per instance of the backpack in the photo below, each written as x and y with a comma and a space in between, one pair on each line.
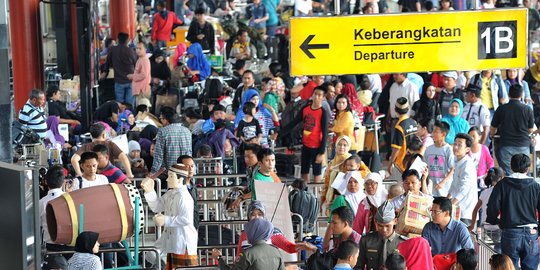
304, 203
290, 112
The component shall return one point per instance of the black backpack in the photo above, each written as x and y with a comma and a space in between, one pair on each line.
304, 203
290, 111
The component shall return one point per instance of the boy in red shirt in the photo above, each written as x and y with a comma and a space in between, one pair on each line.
315, 134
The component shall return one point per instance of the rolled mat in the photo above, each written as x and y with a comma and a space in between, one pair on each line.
108, 210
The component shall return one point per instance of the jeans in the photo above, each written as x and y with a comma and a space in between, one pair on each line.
505, 153
122, 92
521, 245
271, 30
179, 9
161, 44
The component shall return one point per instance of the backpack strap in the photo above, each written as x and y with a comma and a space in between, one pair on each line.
80, 181
469, 113
479, 110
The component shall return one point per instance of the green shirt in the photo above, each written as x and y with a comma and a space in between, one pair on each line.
339, 201
259, 177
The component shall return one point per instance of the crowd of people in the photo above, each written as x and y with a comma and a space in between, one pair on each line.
458, 140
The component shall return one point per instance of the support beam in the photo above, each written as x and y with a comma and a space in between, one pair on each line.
84, 42
122, 17
6, 155
26, 55
61, 18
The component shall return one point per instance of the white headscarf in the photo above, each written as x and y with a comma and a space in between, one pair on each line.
354, 199
380, 195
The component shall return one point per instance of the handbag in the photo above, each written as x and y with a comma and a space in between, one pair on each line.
321, 261
160, 89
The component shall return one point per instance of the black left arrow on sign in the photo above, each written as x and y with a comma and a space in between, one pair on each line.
305, 47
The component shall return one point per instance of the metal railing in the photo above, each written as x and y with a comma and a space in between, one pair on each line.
143, 262
146, 228
209, 165
484, 251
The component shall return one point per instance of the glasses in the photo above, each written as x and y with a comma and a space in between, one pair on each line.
436, 212
371, 183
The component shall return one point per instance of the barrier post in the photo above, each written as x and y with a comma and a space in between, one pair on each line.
81, 218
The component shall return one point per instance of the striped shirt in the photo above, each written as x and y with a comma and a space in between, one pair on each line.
34, 118
172, 141
113, 174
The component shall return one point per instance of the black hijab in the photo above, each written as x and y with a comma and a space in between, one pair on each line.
159, 70
428, 107
149, 132
86, 242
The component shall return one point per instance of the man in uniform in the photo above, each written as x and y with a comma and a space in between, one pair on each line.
376, 246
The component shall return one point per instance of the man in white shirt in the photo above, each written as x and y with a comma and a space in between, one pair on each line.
302, 8
476, 113
463, 191
90, 177
179, 238
55, 181
402, 87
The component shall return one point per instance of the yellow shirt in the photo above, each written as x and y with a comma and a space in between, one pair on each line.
485, 95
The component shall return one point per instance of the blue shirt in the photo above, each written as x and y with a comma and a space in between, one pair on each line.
453, 238
342, 266
208, 126
256, 12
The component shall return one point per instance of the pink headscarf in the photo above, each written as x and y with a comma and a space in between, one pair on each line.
180, 50
417, 253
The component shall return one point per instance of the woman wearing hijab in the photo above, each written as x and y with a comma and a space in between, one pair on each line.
85, 247
197, 62
427, 107
344, 122
356, 106
53, 139
343, 145
376, 194
178, 53
146, 137
417, 253
161, 77
353, 195
256, 210
453, 118
267, 119
513, 76
261, 255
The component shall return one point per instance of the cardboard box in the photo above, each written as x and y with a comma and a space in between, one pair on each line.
414, 215
456, 212
69, 88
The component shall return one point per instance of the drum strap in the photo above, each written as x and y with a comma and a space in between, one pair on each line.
122, 209
73, 216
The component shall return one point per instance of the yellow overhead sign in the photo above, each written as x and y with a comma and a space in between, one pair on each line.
409, 42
